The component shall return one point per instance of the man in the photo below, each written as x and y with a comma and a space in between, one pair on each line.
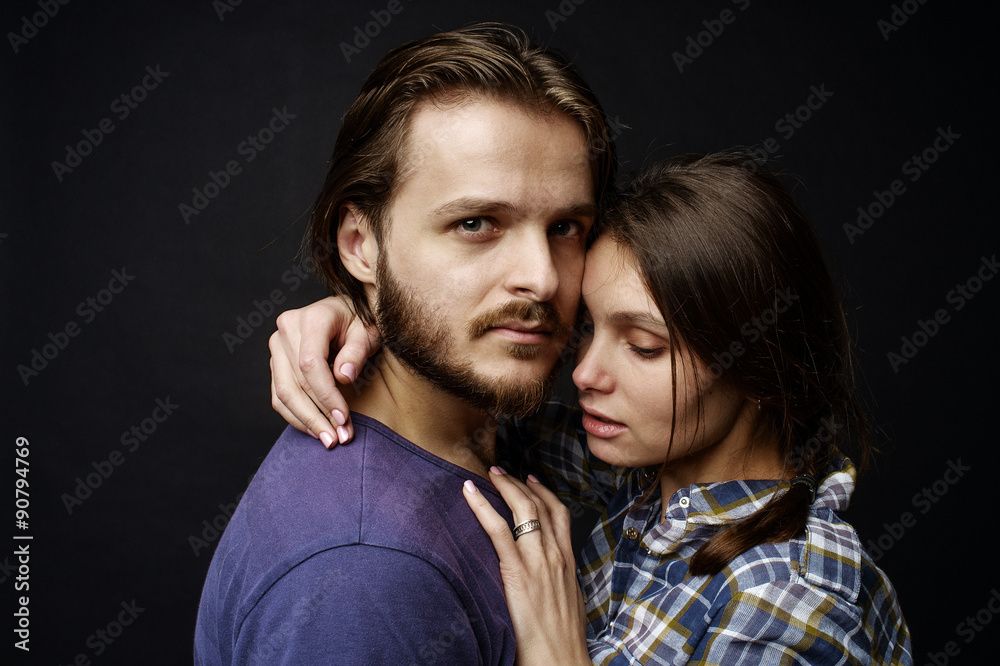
463, 185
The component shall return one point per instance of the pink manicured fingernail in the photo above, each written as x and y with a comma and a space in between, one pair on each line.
497, 470
338, 417
349, 371
343, 434
470, 487
311, 433
327, 440
531, 477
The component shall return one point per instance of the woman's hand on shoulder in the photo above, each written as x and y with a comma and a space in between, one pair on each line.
303, 388
538, 570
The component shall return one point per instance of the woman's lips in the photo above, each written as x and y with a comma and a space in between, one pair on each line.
599, 426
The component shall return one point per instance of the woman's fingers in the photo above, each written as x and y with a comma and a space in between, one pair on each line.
527, 506
359, 343
494, 525
306, 336
283, 411
522, 502
559, 516
539, 581
302, 381
291, 402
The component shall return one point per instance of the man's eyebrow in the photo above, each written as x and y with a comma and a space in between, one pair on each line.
467, 205
585, 209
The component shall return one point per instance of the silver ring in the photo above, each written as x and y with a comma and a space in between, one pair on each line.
525, 527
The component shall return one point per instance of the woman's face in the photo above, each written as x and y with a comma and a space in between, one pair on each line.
623, 374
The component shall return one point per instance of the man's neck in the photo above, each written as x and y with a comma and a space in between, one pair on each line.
433, 419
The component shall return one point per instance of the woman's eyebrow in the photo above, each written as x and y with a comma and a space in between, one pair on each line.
636, 318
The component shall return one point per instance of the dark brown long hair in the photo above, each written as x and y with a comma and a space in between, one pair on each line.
739, 277
369, 159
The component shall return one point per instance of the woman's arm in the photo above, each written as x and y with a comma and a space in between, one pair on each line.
304, 392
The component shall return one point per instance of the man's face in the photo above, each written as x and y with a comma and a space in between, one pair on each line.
479, 278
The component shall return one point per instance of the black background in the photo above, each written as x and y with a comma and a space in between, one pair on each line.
61, 237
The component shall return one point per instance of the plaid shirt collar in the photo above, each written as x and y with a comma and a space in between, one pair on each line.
723, 503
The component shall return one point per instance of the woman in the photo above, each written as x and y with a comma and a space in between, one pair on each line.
716, 397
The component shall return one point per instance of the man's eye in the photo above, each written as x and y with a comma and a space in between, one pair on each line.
586, 328
566, 228
474, 224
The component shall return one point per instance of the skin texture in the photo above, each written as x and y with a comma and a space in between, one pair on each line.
485, 246
623, 375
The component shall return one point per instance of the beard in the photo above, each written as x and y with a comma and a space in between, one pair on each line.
411, 333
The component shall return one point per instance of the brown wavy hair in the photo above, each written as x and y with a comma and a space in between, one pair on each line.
729, 258
494, 60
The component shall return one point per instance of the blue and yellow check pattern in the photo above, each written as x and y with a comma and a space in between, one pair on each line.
817, 599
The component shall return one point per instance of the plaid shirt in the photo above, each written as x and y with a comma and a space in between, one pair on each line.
817, 599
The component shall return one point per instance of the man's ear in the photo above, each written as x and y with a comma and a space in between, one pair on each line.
356, 244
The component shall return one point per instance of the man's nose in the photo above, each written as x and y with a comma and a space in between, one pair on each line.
533, 273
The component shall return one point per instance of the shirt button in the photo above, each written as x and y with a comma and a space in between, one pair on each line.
632, 533
685, 502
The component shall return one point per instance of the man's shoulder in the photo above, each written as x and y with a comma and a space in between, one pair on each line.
360, 492
376, 514
379, 490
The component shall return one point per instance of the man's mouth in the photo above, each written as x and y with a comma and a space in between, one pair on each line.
521, 322
524, 332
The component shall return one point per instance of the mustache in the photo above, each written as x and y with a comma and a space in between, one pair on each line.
525, 311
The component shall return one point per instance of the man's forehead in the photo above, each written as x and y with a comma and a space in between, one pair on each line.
478, 127
484, 154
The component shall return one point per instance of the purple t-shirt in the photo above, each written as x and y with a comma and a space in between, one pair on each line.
365, 554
